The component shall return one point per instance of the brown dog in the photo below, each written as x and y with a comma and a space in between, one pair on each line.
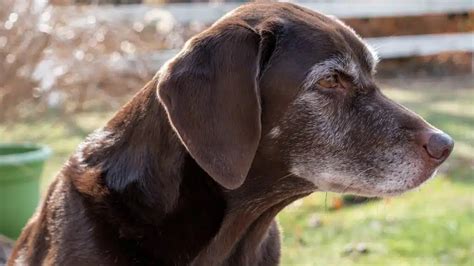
270, 104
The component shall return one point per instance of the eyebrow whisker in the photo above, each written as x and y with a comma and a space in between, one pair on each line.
341, 64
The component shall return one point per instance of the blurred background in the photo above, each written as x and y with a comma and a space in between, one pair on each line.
67, 65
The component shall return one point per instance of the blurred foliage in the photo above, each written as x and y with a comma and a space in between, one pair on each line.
60, 60
23, 40
45, 62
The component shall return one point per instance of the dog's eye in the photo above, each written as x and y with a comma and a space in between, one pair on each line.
329, 81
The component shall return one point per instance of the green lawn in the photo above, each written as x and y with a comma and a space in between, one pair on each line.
430, 226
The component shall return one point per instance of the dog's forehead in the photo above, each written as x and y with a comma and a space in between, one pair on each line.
346, 52
305, 40
348, 43
362, 51
308, 22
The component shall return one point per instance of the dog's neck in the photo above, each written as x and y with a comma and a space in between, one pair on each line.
165, 198
250, 212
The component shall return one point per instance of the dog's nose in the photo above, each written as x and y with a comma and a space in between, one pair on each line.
438, 145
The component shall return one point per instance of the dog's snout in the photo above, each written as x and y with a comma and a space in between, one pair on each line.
437, 144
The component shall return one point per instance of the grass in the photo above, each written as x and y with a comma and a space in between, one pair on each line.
430, 226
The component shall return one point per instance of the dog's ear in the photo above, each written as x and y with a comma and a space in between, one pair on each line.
211, 97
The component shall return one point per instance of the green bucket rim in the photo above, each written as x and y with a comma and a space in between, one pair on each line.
40, 153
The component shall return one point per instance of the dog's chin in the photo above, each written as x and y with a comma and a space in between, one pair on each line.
386, 186
382, 189
387, 191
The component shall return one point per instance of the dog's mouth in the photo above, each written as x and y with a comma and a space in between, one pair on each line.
422, 167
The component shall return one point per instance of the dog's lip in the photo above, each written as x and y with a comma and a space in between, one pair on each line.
418, 181
424, 177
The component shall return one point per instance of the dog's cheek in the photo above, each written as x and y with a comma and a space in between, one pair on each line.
312, 135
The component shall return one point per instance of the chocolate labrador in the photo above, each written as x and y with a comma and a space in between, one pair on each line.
271, 103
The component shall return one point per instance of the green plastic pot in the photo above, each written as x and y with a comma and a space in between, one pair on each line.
20, 170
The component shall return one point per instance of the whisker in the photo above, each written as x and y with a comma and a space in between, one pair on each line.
285, 176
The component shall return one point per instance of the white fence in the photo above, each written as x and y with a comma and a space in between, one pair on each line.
387, 47
209, 12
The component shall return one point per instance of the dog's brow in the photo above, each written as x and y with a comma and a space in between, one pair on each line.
370, 54
334, 64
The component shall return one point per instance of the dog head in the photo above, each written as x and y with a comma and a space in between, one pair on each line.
297, 87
